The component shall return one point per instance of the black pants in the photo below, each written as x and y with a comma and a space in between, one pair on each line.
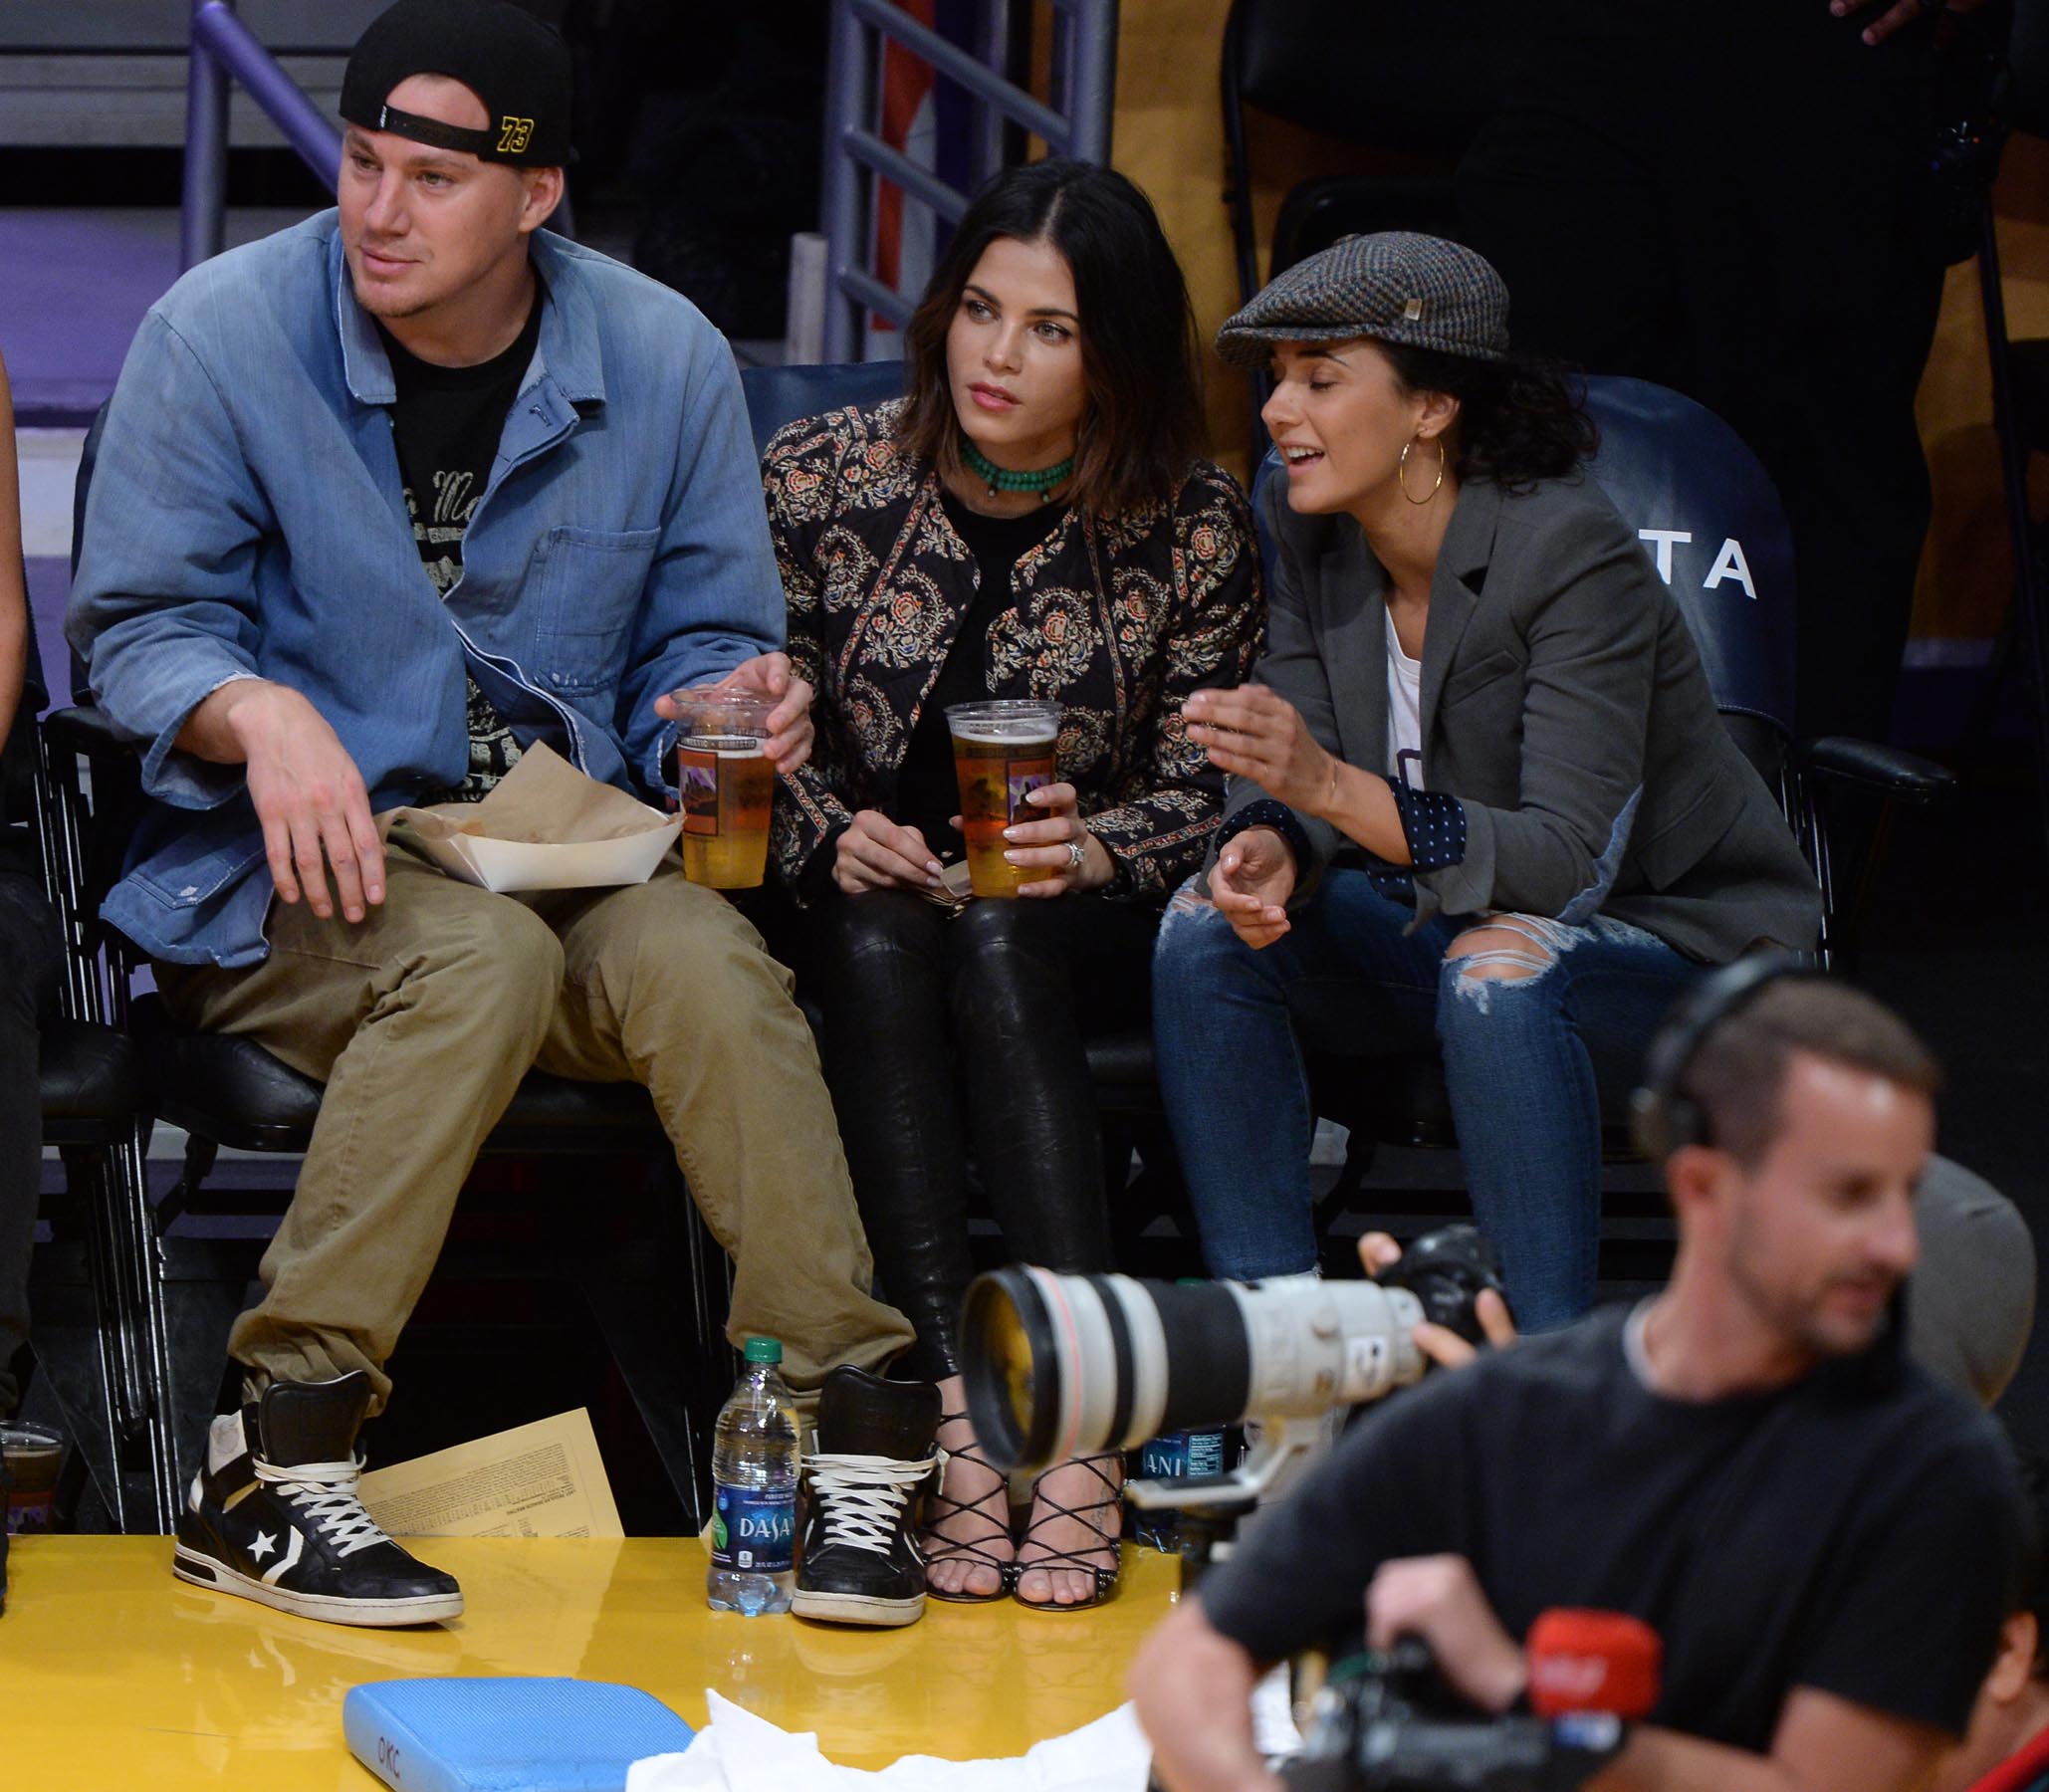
1731, 202
27, 990
946, 1033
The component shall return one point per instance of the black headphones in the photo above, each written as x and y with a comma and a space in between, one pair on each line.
1661, 1117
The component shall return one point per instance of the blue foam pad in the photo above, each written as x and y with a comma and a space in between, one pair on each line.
511, 1735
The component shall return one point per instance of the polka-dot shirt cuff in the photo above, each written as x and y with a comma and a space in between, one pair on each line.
1434, 824
1266, 813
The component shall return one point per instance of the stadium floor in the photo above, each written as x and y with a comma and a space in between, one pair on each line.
117, 1675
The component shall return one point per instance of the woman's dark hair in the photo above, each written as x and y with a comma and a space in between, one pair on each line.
1519, 421
1142, 428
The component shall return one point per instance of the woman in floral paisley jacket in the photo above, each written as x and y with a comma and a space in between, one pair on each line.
1030, 520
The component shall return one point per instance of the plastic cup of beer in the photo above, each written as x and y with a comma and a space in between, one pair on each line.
1003, 750
725, 784
34, 1456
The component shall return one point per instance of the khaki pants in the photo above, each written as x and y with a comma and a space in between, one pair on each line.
422, 1019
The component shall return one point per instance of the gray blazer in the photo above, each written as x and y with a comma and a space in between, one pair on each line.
1562, 702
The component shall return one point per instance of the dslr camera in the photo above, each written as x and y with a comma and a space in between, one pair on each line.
1384, 1721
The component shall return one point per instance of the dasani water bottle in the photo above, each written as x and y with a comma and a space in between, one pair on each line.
754, 1491
1175, 1456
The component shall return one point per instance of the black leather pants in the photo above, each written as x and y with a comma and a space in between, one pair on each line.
28, 987
950, 1032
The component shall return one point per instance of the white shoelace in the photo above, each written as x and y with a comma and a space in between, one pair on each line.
325, 1492
863, 1496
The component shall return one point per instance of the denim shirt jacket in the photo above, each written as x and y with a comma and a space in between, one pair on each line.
247, 519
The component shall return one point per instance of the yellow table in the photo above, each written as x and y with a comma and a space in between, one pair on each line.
116, 1675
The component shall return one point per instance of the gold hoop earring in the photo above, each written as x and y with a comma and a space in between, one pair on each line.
1401, 472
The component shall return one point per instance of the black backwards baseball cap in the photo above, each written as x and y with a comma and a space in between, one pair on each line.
517, 64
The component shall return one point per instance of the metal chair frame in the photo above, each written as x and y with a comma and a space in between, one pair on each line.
104, 1158
221, 52
1077, 123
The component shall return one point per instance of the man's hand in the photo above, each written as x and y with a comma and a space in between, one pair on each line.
1443, 1347
1254, 877
1192, 1688
1438, 1597
308, 794
1256, 732
876, 854
1043, 845
788, 741
1898, 17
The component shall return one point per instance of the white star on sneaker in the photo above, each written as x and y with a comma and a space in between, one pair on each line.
263, 1546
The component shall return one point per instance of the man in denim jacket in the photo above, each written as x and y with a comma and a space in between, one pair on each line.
381, 501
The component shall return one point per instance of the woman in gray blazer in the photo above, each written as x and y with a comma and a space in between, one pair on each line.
1479, 789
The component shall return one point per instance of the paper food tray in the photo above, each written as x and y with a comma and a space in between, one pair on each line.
503, 865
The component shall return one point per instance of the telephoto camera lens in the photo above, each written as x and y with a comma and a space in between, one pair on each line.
1065, 1365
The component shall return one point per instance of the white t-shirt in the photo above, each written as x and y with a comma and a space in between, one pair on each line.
1404, 713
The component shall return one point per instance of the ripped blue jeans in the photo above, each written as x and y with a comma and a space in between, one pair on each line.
1542, 1028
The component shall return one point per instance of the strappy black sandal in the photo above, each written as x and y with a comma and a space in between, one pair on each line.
1111, 1499
940, 1506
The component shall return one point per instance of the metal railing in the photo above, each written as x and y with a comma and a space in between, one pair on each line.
1077, 123
224, 51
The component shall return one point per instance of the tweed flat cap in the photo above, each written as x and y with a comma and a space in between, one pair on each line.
1395, 286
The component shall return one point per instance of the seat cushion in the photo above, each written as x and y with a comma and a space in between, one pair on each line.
89, 1073
1121, 1064
544, 1103
1397, 1100
226, 1087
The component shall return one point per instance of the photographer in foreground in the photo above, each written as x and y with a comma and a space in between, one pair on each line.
1748, 1462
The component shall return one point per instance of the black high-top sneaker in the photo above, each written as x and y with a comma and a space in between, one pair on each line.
274, 1516
861, 1562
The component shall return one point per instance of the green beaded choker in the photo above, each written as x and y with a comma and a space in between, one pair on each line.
1001, 479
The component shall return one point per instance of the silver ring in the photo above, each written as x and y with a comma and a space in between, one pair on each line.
1077, 854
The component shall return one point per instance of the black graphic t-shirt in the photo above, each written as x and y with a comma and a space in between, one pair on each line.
1858, 1531
446, 424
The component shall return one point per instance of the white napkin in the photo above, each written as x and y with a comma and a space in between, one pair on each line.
740, 1753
